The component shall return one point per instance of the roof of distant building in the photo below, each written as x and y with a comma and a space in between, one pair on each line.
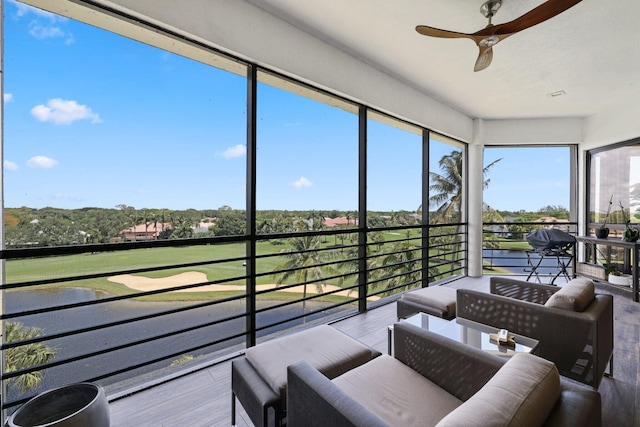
149, 228
550, 219
341, 220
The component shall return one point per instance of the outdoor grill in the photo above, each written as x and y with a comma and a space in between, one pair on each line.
550, 239
549, 242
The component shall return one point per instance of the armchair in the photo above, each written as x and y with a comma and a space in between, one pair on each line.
435, 381
575, 332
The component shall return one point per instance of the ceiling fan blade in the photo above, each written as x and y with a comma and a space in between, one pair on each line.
484, 58
493, 34
436, 32
546, 10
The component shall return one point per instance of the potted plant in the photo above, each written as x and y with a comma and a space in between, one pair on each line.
602, 232
615, 276
630, 234
73, 405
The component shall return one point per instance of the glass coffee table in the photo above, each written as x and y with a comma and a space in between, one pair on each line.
467, 332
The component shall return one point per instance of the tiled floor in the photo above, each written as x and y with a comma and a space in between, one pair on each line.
204, 398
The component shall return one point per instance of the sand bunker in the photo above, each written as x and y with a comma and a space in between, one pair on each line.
141, 283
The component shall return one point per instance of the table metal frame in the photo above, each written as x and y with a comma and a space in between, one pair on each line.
563, 257
631, 257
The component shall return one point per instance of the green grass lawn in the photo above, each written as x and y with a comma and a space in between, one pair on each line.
514, 244
114, 262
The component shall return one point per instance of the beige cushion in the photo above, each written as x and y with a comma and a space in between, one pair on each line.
396, 393
323, 347
576, 295
440, 297
522, 393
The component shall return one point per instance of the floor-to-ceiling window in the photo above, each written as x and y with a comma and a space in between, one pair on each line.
613, 201
306, 182
614, 184
447, 200
128, 162
394, 197
524, 189
110, 141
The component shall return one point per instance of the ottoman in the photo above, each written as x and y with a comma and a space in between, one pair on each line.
259, 380
435, 300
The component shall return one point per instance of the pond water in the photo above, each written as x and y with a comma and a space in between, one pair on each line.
200, 339
516, 261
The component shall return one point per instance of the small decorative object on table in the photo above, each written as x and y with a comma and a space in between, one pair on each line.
603, 231
497, 339
630, 234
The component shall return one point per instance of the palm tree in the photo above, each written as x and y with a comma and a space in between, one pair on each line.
145, 219
403, 263
489, 239
305, 259
25, 356
446, 188
264, 226
181, 227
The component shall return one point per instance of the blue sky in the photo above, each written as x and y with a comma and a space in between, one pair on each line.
95, 119
528, 178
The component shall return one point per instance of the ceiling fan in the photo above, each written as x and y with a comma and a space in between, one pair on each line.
489, 36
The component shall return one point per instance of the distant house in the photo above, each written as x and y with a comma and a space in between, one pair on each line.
551, 222
204, 226
341, 220
142, 232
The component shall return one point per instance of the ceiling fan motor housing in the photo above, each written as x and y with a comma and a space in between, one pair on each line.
490, 8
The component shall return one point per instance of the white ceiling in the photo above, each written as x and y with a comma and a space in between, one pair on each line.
590, 52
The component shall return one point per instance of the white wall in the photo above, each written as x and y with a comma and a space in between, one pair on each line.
538, 131
619, 125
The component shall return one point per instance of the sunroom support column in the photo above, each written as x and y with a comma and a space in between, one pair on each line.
475, 180
363, 272
252, 104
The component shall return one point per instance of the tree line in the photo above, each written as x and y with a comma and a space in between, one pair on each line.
30, 227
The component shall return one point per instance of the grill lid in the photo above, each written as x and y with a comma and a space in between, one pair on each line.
550, 239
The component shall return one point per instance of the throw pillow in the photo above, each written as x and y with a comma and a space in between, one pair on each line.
522, 393
575, 295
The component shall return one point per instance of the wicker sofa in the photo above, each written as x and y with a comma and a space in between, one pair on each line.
437, 381
573, 323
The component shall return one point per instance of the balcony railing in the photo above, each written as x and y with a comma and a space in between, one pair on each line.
128, 314
504, 248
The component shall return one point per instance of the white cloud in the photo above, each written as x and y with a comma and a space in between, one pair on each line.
7, 97
24, 10
45, 32
63, 112
10, 166
37, 28
237, 151
41, 162
302, 182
